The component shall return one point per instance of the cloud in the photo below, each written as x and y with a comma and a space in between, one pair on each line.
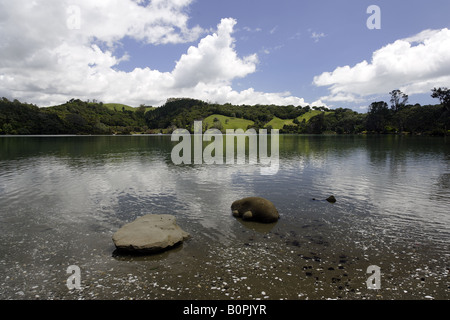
224, 94
47, 23
248, 29
45, 61
214, 60
317, 36
273, 30
414, 65
50, 52
158, 22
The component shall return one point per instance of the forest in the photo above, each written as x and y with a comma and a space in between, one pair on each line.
93, 117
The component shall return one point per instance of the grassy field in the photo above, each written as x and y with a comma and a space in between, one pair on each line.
278, 123
309, 115
228, 122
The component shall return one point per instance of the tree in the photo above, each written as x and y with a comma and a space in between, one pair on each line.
443, 94
396, 96
316, 124
377, 116
218, 125
7, 128
139, 115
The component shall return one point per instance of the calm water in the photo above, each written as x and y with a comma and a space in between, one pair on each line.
62, 198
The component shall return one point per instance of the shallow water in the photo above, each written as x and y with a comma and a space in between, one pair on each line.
62, 198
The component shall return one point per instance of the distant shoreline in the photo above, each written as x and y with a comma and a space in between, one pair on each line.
76, 117
169, 134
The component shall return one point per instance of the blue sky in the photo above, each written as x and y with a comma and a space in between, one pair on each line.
280, 52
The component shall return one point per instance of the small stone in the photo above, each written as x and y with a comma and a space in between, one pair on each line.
247, 215
331, 199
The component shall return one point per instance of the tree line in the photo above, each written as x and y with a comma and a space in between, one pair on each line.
84, 117
403, 117
73, 117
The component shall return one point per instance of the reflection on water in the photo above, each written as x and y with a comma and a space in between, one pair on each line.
61, 198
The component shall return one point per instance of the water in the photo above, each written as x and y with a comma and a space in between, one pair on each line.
62, 198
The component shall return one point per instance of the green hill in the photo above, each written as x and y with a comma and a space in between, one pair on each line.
73, 117
118, 107
277, 123
227, 122
79, 117
309, 115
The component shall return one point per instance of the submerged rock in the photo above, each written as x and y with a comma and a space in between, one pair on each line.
255, 209
331, 199
149, 234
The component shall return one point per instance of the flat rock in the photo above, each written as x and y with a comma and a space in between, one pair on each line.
149, 234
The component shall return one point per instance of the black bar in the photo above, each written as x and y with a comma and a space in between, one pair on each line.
203, 309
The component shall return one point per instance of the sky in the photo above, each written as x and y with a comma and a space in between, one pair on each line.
335, 53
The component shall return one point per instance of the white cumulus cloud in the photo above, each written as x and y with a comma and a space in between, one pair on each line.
54, 50
213, 60
414, 65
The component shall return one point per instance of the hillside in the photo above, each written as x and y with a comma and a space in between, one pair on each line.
79, 117
223, 122
308, 115
72, 117
277, 123
123, 107
181, 113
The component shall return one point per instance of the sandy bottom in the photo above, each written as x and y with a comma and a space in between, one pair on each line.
278, 261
